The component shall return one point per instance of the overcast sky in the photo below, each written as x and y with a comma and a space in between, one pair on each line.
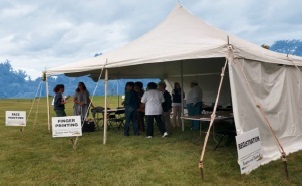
39, 34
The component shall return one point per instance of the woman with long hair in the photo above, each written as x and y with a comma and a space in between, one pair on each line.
81, 101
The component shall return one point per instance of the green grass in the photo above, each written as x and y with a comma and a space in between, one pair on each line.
34, 157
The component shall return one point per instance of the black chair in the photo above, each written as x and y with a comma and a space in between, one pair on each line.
117, 118
98, 115
120, 118
224, 130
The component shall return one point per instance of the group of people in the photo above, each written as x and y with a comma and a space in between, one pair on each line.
81, 101
156, 103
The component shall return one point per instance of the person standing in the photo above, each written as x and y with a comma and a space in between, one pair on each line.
194, 103
131, 105
176, 104
167, 106
138, 87
81, 101
153, 100
59, 101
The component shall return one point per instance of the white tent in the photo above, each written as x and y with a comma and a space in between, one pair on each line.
265, 86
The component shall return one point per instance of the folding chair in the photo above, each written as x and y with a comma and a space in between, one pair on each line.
120, 118
116, 118
227, 131
97, 114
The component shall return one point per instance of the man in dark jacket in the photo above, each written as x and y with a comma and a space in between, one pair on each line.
131, 105
167, 107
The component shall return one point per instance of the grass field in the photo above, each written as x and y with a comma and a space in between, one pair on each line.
34, 157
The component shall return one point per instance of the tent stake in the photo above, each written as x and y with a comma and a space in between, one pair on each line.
201, 170
285, 165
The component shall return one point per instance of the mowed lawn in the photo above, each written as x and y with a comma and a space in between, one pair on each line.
34, 157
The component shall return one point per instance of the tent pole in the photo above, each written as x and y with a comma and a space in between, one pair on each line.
47, 102
118, 97
105, 105
211, 123
182, 95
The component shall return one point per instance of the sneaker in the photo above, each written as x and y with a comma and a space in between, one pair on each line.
165, 134
149, 137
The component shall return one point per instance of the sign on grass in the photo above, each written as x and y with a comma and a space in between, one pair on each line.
15, 118
68, 126
249, 150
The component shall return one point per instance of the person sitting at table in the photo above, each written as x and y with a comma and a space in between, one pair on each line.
194, 103
131, 105
153, 100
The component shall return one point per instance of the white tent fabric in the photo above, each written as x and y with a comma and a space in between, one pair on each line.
184, 43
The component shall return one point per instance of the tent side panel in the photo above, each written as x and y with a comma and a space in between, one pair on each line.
277, 89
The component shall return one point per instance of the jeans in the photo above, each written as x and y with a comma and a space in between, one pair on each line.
130, 114
194, 109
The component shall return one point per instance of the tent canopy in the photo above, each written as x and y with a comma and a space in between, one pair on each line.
180, 37
184, 45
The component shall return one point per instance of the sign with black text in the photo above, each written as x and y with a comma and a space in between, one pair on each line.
249, 150
15, 118
68, 126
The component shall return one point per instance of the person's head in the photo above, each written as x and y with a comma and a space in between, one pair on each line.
138, 86
59, 88
162, 86
129, 85
81, 86
151, 85
194, 83
176, 85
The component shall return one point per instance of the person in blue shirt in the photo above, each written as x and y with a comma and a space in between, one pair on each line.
59, 101
131, 106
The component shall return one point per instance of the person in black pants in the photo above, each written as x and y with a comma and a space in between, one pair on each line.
153, 99
167, 107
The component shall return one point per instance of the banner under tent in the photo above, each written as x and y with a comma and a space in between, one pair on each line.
263, 87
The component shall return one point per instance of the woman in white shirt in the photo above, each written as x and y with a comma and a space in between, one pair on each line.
153, 99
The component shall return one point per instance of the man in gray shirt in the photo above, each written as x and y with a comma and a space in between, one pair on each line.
194, 103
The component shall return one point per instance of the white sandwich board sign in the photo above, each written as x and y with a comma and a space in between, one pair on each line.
68, 126
15, 118
249, 150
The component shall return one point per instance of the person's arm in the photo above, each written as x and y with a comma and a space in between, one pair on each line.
162, 99
75, 100
144, 98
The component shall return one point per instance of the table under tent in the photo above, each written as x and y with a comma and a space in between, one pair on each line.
264, 87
